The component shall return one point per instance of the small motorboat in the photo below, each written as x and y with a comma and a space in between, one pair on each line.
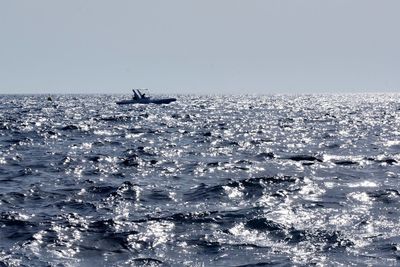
140, 98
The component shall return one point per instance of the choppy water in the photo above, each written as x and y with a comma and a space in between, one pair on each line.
205, 181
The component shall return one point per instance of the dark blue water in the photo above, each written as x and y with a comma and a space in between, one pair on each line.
205, 181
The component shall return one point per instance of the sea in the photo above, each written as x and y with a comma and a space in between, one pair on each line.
217, 180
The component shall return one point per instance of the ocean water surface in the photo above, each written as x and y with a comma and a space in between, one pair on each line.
206, 181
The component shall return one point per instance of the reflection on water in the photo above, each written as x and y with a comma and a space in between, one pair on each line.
205, 181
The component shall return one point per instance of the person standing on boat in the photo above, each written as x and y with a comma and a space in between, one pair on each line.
141, 95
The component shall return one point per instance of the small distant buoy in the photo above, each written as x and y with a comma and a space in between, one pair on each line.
49, 98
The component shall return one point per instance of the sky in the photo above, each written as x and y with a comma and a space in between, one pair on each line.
199, 46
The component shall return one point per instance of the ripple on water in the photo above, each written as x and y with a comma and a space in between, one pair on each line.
205, 181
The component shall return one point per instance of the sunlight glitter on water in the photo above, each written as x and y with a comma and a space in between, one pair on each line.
212, 181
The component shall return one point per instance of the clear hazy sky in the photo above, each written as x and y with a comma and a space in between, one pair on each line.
204, 46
